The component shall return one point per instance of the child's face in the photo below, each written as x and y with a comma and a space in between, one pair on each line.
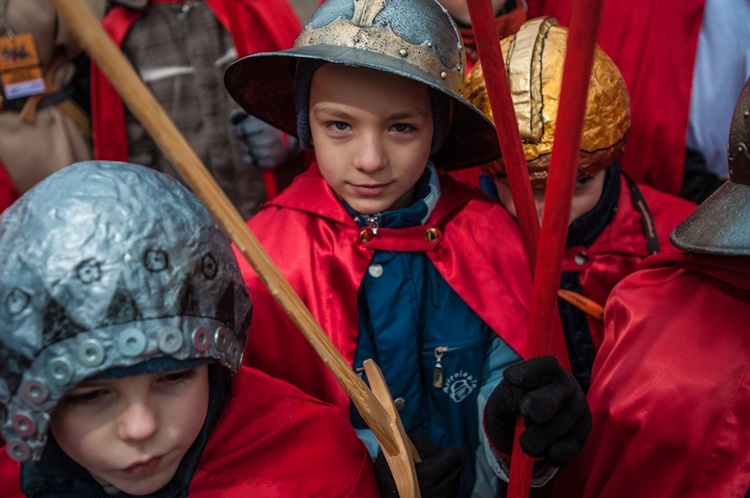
459, 10
372, 133
586, 194
132, 432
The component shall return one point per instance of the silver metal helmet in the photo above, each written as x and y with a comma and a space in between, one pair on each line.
415, 39
721, 224
108, 265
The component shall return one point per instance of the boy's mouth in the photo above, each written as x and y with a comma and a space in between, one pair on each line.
370, 189
143, 466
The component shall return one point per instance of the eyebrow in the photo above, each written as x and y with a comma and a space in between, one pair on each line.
343, 115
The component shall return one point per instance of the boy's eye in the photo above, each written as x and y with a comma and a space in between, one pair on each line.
339, 125
86, 397
402, 127
177, 377
584, 180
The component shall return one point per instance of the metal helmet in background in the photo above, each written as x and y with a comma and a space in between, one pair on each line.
108, 265
534, 59
721, 224
415, 39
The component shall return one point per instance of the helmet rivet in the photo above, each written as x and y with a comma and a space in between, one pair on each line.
201, 339
221, 338
234, 352
443, 74
170, 340
746, 114
430, 44
16, 302
132, 342
61, 370
18, 450
403, 52
34, 391
23, 424
90, 353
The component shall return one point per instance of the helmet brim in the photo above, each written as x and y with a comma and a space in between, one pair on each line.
719, 225
263, 84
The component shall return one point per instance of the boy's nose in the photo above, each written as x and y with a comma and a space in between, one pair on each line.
370, 155
138, 422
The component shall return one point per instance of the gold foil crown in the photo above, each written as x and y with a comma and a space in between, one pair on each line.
534, 59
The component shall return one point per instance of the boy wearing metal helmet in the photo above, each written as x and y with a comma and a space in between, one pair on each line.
395, 259
123, 322
670, 394
614, 222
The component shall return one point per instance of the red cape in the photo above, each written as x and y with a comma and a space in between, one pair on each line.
653, 43
271, 441
269, 25
8, 191
670, 395
622, 245
316, 245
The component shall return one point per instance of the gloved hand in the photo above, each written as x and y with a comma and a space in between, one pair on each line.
262, 145
439, 472
558, 420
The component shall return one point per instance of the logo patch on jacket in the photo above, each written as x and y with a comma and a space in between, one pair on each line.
459, 386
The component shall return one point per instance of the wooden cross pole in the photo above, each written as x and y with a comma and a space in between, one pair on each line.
376, 409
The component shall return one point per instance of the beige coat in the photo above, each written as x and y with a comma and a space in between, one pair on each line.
28, 151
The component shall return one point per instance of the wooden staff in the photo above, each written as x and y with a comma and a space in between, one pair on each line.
240, 44
558, 198
397, 447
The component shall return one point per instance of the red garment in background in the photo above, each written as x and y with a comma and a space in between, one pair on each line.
654, 44
670, 394
271, 441
269, 25
8, 192
316, 245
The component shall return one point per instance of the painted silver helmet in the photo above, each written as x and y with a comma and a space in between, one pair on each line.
108, 265
415, 39
721, 224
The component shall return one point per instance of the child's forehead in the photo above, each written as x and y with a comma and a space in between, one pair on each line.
333, 76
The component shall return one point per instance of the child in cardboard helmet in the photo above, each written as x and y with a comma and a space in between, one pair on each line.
123, 322
97, 276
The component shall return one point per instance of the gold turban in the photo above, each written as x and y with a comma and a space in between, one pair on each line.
534, 61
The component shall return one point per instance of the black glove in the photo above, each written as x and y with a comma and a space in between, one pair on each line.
558, 420
439, 472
